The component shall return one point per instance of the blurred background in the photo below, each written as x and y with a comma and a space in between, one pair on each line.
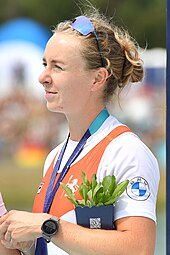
28, 131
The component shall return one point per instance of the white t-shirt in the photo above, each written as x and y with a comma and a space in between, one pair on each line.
126, 157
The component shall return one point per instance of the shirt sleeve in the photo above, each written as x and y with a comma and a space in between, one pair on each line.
127, 157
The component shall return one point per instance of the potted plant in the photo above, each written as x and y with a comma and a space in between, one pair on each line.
96, 209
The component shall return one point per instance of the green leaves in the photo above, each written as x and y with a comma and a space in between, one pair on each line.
69, 193
97, 193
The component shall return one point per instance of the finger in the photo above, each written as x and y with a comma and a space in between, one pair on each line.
3, 229
9, 245
17, 245
22, 244
3, 218
7, 236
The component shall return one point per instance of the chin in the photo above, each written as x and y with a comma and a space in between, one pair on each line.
54, 108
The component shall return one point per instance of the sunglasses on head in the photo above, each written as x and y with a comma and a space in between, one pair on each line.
84, 26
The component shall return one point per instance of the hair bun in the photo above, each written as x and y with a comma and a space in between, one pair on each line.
132, 70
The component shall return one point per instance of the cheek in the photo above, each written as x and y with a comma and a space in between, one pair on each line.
79, 93
82, 85
73, 96
75, 87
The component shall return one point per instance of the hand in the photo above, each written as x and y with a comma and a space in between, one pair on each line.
5, 251
22, 246
18, 227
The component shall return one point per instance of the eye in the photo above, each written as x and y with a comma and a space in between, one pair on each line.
44, 64
58, 67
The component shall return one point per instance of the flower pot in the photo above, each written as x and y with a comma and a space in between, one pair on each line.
100, 217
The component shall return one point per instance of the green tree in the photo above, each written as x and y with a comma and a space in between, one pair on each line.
145, 19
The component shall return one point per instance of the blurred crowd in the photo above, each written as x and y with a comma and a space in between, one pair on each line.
28, 131
144, 111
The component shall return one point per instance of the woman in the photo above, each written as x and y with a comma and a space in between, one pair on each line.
85, 62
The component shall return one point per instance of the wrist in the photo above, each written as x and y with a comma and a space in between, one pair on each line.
50, 228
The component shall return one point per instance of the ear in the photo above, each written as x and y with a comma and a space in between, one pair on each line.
101, 75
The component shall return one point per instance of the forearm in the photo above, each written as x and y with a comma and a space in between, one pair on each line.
133, 235
78, 240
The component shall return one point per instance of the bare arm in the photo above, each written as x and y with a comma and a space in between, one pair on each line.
134, 235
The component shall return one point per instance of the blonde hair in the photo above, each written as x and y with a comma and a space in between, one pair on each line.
119, 50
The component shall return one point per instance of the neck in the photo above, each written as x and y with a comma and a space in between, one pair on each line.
79, 123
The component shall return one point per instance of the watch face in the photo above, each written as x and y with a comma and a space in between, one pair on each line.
50, 227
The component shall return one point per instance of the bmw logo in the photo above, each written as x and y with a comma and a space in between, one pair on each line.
138, 189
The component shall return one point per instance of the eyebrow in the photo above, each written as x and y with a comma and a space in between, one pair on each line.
54, 61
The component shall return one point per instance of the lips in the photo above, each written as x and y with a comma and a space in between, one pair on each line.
50, 92
49, 95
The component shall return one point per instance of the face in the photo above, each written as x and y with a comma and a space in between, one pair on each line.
67, 82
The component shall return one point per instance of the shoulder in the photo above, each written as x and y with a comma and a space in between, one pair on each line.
130, 144
128, 155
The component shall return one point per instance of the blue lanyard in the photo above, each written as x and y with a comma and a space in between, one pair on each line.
103, 115
41, 246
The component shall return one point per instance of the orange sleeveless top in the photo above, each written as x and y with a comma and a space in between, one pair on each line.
89, 164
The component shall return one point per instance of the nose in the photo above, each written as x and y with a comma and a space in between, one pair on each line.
45, 78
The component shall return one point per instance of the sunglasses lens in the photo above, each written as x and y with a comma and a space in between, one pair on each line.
82, 25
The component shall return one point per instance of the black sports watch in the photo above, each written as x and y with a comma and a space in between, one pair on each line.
50, 228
